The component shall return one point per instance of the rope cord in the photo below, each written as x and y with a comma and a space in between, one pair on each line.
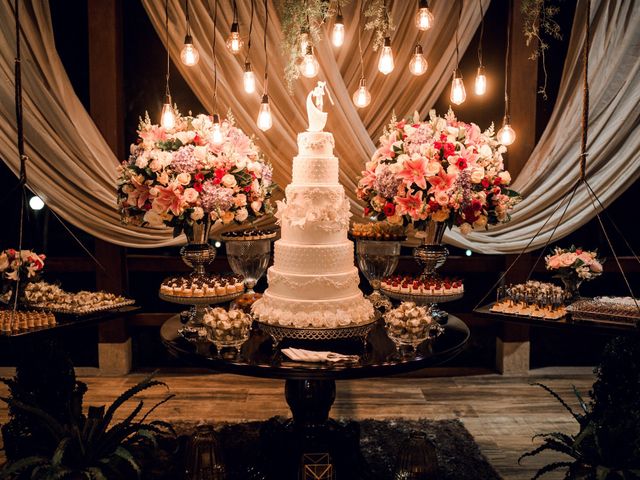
585, 94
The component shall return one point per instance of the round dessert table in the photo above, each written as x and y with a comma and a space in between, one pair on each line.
310, 388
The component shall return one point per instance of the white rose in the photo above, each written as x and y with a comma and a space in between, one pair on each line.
155, 165
227, 217
505, 177
4, 262
153, 218
477, 175
190, 195
240, 200
465, 228
453, 170
186, 137
142, 161
183, 178
200, 153
256, 205
197, 214
255, 167
485, 151
241, 164
403, 158
242, 214
165, 158
394, 167
229, 180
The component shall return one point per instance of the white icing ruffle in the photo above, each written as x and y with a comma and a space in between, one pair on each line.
351, 311
324, 208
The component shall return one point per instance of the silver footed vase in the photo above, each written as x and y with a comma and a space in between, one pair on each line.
431, 255
198, 253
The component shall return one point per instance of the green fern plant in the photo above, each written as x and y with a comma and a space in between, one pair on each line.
607, 445
92, 446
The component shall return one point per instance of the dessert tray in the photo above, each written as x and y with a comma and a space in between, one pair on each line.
421, 299
411, 289
279, 332
377, 232
51, 298
199, 300
248, 235
620, 310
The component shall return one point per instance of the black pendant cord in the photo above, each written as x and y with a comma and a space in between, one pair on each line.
246, 60
360, 42
166, 34
215, 61
265, 87
507, 63
186, 13
481, 33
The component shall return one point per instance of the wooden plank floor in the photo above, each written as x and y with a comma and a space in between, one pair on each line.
501, 412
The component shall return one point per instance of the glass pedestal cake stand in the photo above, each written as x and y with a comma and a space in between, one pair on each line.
377, 259
249, 258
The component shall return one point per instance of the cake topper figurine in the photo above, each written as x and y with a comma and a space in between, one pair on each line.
317, 118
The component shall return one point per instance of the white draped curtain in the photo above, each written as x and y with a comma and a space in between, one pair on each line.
73, 169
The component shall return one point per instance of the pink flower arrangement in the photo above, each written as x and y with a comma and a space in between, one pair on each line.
179, 177
442, 170
24, 265
576, 262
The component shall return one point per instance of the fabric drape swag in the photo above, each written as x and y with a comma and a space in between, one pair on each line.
73, 169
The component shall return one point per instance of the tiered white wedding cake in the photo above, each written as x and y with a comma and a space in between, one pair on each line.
313, 282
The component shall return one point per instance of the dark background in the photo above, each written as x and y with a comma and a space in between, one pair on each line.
144, 63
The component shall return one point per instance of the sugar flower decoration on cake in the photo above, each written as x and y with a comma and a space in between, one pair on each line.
572, 261
179, 177
442, 170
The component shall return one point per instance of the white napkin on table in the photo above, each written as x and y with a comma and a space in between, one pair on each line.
301, 355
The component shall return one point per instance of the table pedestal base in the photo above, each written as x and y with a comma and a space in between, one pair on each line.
311, 432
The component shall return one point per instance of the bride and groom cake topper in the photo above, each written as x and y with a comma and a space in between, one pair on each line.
315, 101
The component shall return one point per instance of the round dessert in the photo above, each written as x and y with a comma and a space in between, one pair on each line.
245, 301
246, 235
426, 287
227, 328
409, 324
53, 298
202, 286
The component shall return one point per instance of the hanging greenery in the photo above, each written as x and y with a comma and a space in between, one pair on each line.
539, 26
379, 20
300, 16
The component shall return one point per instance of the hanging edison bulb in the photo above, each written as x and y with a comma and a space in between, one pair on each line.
309, 67
480, 87
362, 97
265, 122
424, 17
216, 133
418, 64
337, 35
189, 54
234, 42
506, 135
385, 63
304, 41
168, 116
249, 79
458, 93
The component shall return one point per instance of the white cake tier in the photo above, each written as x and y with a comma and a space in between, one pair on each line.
314, 215
314, 171
329, 286
315, 143
346, 311
318, 259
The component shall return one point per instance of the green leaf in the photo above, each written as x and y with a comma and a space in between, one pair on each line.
51, 424
551, 467
125, 455
562, 402
96, 474
22, 465
58, 455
